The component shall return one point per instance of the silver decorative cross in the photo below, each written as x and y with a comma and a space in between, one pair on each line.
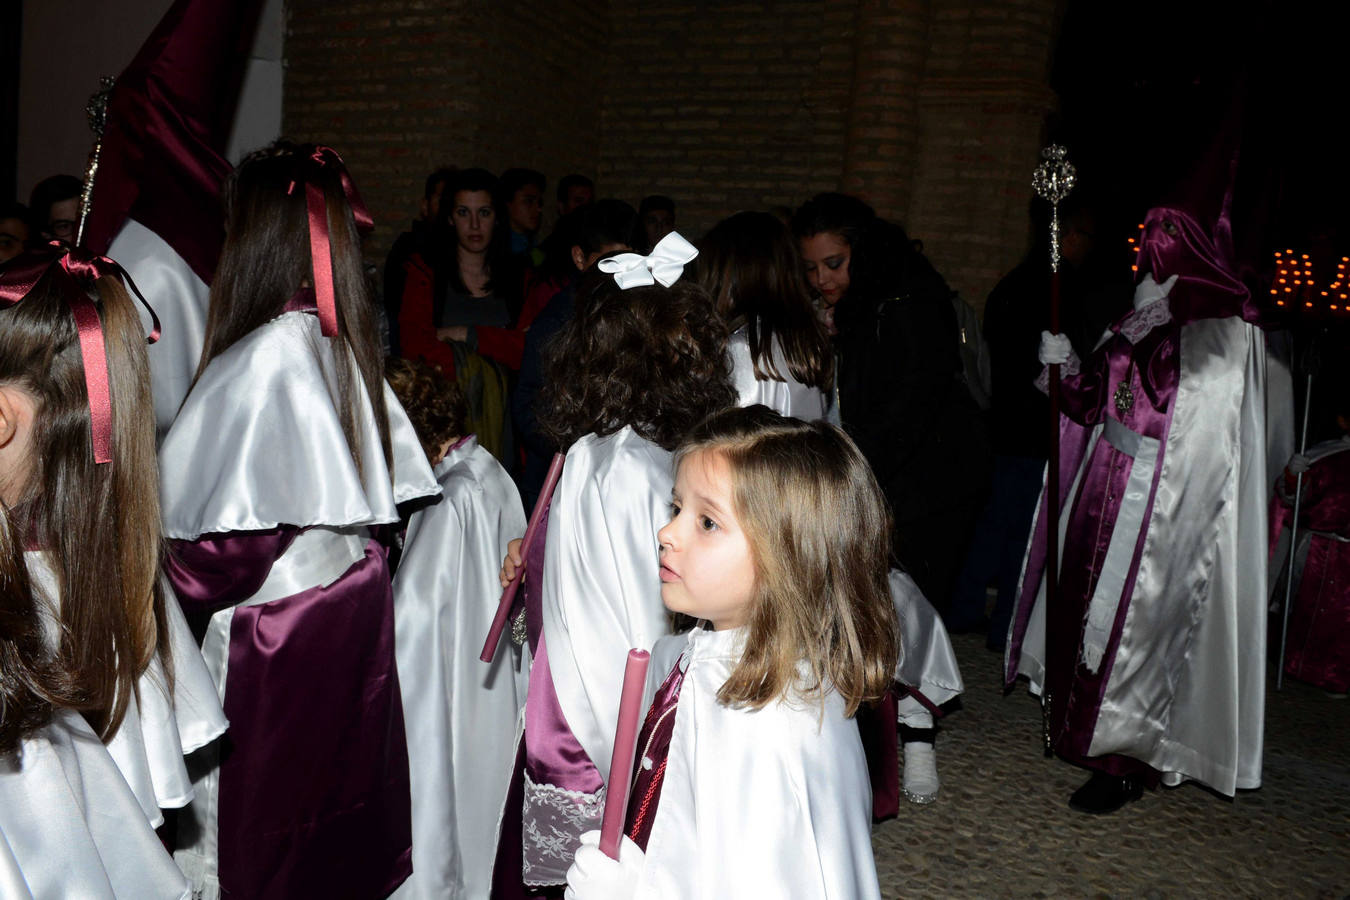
1052, 181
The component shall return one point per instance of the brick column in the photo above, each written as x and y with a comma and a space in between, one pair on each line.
890, 48
981, 114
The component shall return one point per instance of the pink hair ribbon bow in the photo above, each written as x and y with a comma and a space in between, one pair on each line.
320, 245
665, 264
78, 272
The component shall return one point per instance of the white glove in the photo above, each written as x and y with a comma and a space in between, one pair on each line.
1299, 463
594, 876
1055, 349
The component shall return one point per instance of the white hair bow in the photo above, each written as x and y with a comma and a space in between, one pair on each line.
664, 264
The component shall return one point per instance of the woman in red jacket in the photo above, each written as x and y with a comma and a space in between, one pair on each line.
465, 288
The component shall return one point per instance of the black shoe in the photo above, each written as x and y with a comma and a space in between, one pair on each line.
1105, 793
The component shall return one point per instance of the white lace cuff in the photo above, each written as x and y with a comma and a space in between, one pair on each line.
555, 819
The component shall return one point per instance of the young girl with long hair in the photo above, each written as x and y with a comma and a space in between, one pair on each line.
780, 354
93, 648
287, 452
626, 378
751, 778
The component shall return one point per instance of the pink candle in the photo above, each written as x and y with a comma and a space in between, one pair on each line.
621, 763
494, 636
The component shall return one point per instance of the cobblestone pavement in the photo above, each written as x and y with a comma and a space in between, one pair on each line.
1001, 826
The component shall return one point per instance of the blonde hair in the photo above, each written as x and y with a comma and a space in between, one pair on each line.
819, 534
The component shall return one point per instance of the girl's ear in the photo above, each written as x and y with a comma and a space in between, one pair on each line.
11, 414
16, 437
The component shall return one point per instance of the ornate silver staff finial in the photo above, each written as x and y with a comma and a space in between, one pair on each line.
97, 111
1052, 180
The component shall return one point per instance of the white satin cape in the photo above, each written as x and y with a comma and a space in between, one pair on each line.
602, 585
180, 300
460, 713
768, 803
789, 397
158, 730
70, 827
258, 443
1186, 693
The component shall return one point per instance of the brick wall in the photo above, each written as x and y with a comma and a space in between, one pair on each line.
391, 84
727, 106
932, 111
982, 105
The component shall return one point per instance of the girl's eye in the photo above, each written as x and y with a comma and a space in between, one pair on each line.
707, 524
462, 212
834, 263
674, 509
486, 213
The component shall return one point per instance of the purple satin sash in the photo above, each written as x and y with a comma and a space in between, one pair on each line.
553, 755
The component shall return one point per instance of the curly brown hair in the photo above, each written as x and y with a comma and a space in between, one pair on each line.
434, 403
652, 357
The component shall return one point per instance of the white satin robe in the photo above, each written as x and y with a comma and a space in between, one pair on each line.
601, 597
70, 827
789, 397
768, 803
460, 714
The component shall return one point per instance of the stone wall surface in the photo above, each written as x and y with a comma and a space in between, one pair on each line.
932, 110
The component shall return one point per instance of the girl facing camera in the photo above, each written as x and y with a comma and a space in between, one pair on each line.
777, 543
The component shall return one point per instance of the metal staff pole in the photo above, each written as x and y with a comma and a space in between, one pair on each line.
97, 111
1052, 181
1293, 524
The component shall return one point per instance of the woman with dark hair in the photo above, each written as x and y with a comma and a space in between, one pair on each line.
466, 288
625, 380
780, 355
902, 397
288, 451
903, 400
